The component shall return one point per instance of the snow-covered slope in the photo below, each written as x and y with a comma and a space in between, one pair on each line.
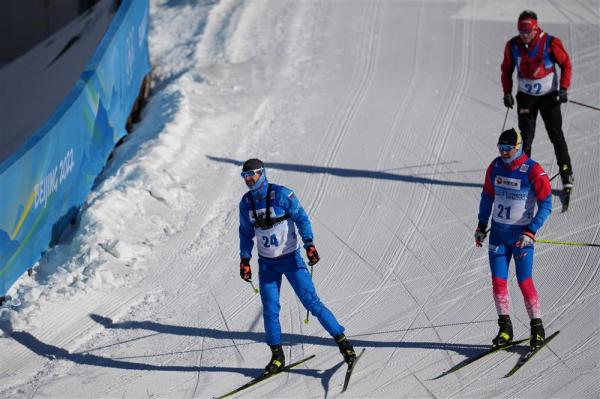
383, 116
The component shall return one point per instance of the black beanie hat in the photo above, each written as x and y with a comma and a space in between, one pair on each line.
511, 137
252, 164
528, 14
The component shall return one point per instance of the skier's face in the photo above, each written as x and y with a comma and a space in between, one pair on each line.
507, 151
527, 37
251, 177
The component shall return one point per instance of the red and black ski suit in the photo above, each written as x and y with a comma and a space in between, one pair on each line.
538, 87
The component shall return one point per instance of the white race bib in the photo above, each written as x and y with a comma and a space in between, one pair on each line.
538, 87
281, 239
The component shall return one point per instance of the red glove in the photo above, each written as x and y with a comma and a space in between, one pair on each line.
245, 272
312, 255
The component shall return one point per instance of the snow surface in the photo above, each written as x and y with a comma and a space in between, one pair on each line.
383, 117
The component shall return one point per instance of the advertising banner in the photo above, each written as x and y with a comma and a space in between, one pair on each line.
46, 180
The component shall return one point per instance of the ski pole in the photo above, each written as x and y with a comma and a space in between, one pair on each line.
578, 244
505, 116
554, 177
253, 287
584, 105
307, 312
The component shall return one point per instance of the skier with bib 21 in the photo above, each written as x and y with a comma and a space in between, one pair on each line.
513, 185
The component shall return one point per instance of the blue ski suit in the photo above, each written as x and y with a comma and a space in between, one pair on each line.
279, 254
510, 195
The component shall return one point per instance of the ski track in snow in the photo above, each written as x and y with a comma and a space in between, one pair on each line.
382, 115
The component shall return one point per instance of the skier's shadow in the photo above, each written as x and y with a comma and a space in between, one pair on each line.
370, 174
55, 353
290, 339
560, 194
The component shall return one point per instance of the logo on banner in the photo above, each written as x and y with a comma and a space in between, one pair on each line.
508, 182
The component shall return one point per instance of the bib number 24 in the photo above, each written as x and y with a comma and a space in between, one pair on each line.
270, 240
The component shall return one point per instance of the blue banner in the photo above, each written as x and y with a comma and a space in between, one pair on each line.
52, 174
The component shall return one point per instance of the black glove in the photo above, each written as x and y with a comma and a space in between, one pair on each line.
245, 272
480, 234
312, 255
509, 100
562, 96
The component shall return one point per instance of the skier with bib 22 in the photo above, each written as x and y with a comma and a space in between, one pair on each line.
535, 54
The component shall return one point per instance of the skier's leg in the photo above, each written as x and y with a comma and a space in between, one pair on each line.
527, 111
270, 284
300, 280
552, 117
499, 256
524, 270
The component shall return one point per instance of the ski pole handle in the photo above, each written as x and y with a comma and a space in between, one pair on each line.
306, 320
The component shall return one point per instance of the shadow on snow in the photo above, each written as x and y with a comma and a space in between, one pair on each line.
55, 353
344, 172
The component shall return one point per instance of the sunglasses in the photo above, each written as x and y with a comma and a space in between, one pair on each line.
251, 172
506, 147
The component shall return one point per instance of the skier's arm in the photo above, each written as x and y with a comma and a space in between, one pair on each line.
487, 197
543, 194
291, 204
562, 58
246, 232
507, 68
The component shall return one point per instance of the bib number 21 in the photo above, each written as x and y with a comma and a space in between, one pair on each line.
503, 212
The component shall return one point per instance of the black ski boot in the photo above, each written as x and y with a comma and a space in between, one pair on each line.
538, 335
566, 175
346, 348
277, 360
505, 334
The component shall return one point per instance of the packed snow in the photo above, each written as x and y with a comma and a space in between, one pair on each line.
382, 116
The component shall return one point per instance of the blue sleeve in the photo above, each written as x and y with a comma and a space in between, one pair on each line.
485, 208
544, 209
291, 204
246, 231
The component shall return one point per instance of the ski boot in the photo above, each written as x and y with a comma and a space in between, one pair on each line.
538, 335
566, 175
277, 360
346, 348
505, 334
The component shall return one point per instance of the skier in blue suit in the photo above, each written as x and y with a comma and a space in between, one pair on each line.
279, 254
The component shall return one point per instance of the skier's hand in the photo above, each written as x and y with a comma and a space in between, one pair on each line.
562, 96
526, 239
509, 100
312, 255
245, 272
480, 234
